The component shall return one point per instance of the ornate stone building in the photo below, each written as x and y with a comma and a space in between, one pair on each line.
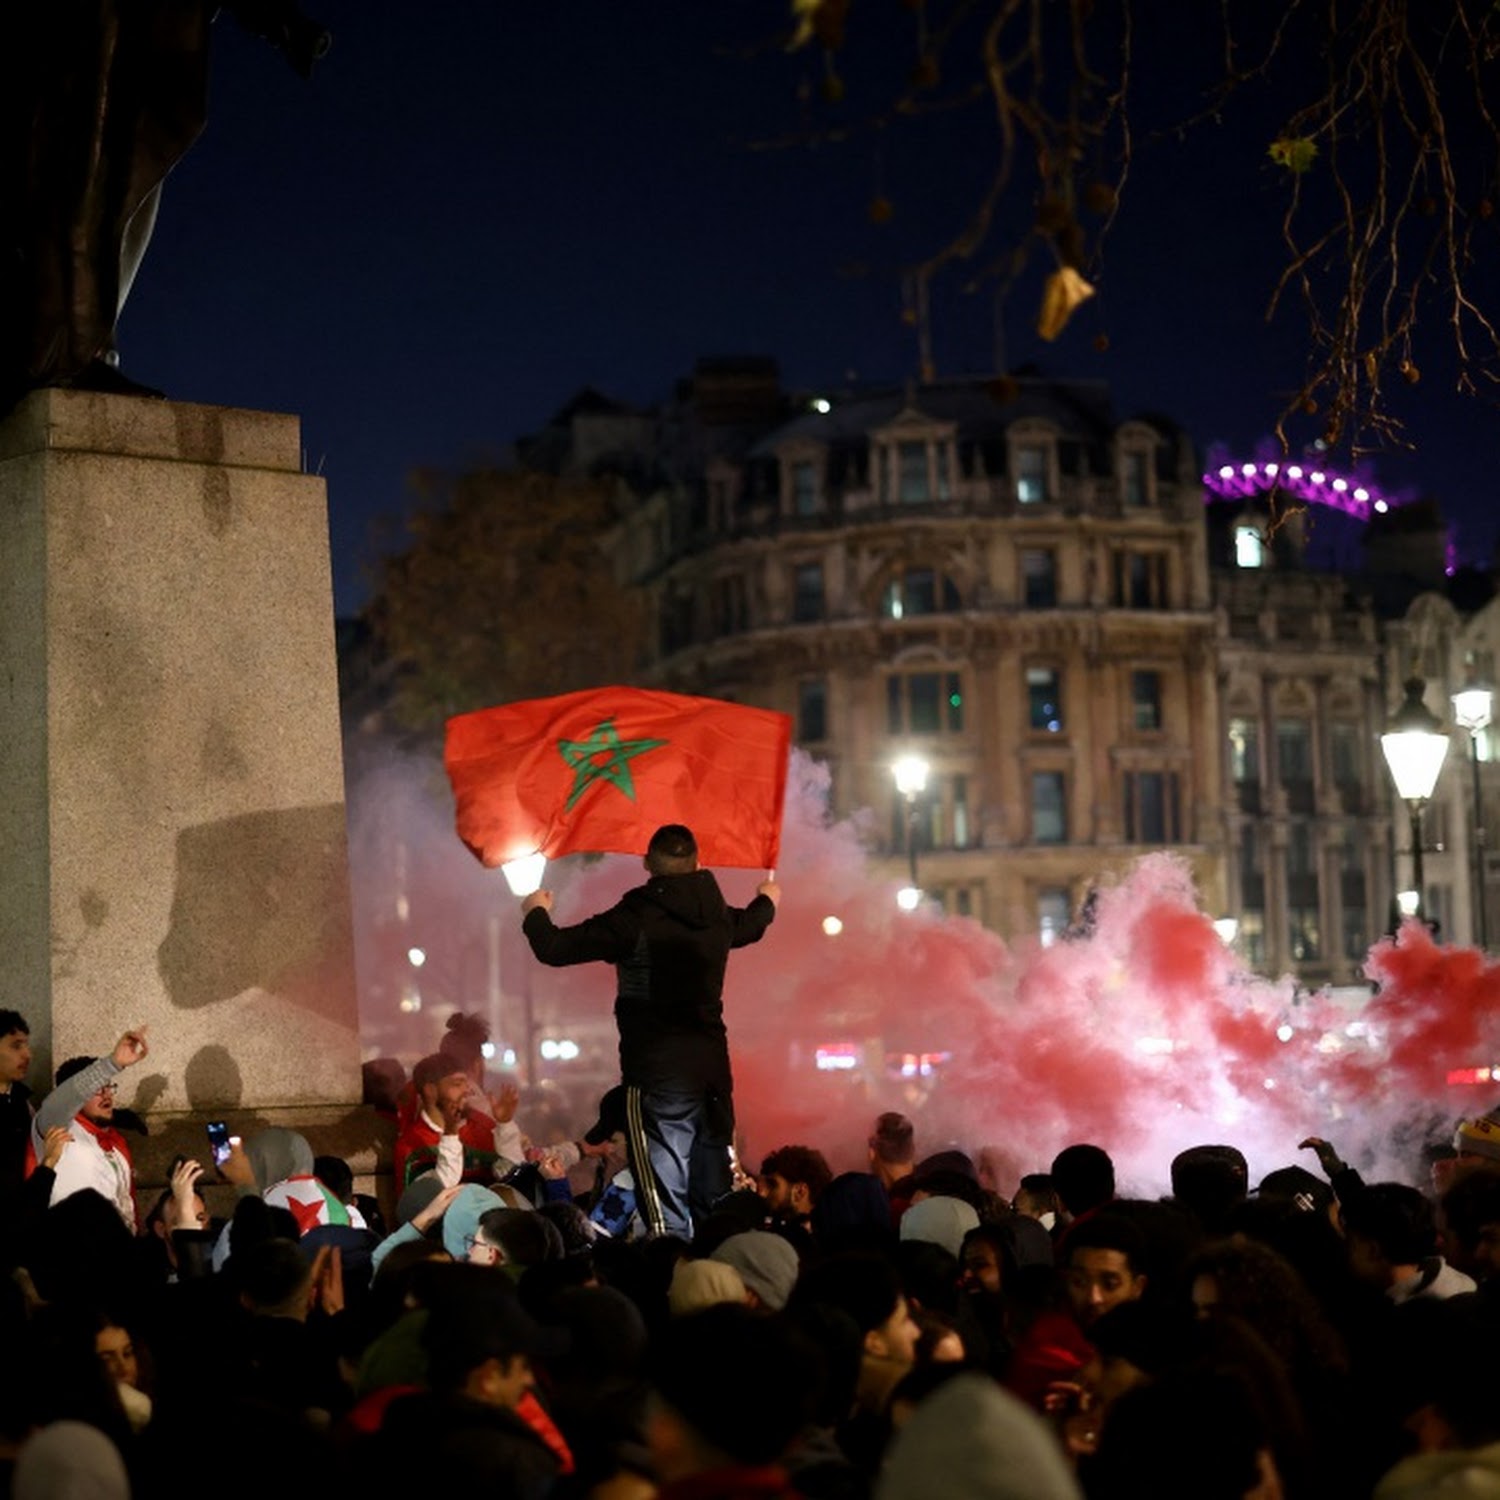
998, 576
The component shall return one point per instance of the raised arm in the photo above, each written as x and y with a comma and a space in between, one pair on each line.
67, 1098
750, 922
607, 938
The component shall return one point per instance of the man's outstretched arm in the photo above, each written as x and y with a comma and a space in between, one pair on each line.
607, 938
750, 922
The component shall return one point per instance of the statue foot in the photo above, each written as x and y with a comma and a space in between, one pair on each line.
105, 377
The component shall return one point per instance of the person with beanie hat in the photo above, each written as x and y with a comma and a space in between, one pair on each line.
972, 1438
1477, 1141
700, 1284
767, 1264
939, 1221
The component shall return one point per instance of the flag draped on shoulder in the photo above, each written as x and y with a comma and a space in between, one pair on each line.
600, 771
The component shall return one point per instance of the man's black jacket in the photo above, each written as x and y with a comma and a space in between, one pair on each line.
669, 941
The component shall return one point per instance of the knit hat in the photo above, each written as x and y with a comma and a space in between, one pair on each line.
70, 1458
940, 1221
697, 1284
418, 1195
461, 1220
973, 1439
767, 1264
1478, 1137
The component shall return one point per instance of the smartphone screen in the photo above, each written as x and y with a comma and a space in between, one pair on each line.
218, 1138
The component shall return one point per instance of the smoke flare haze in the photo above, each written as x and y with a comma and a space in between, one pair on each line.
1143, 1033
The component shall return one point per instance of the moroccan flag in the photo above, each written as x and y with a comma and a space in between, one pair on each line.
600, 771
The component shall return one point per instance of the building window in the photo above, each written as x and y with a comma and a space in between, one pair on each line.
1354, 899
1135, 478
1303, 895
925, 703
912, 482
1145, 699
730, 606
806, 499
1032, 463
1044, 699
1054, 910
966, 901
1141, 580
1252, 937
960, 800
807, 593
1049, 812
1252, 870
1152, 808
1039, 578
1348, 771
1244, 762
1249, 547
812, 711
1294, 766
920, 591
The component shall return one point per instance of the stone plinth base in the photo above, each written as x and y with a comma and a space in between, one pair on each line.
172, 847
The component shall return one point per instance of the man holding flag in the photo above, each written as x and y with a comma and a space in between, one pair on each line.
669, 941
596, 771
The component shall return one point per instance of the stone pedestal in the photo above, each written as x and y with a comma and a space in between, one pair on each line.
172, 846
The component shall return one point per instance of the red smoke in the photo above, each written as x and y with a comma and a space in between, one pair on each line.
1144, 1034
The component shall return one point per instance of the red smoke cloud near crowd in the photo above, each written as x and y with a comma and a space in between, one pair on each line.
1144, 1034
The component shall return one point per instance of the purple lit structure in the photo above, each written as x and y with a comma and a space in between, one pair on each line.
1306, 481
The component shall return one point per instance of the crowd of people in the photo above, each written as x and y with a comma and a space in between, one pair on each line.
512, 1326
630, 1313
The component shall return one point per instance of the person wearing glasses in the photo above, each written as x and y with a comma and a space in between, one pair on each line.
96, 1155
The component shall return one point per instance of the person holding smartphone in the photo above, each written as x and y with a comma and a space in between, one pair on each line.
97, 1156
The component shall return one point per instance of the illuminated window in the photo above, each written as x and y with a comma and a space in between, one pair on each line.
1044, 698
1049, 812
1244, 750
920, 591
1249, 547
1032, 464
1053, 912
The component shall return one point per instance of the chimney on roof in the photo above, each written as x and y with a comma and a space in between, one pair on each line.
737, 391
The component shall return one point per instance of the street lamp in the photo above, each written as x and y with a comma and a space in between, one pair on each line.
523, 876
1414, 746
1473, 707
911, 773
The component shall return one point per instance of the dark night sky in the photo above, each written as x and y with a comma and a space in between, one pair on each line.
476, 208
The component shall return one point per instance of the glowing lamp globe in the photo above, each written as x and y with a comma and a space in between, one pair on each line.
524, 875
1414, 746
911, 773
1473, 707
908, 898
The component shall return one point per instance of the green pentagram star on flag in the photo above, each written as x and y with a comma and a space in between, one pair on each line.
603, 740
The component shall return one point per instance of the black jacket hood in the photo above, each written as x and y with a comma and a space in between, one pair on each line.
694, 899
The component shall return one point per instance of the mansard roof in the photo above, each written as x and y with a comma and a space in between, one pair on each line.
979, 408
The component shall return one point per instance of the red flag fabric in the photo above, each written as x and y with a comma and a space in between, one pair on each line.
600, 771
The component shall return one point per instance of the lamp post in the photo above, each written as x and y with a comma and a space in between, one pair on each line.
911, 773
524, 876
1473, 707
1414, 746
